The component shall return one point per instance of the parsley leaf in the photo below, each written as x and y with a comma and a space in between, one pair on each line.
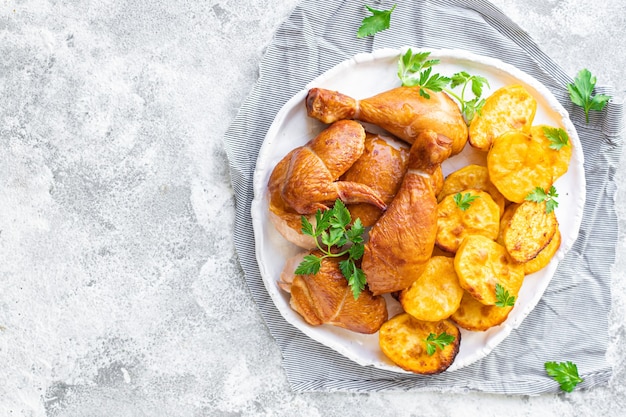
558, 137
307, 227
355, 233
411, 64
503, 298
340, 216
332, 228
355, 276
356, 251
433, 342
433, 82
469, 108
539, 195
464, 201
310, 265
379, 20
565, 373
581, 91
322, 222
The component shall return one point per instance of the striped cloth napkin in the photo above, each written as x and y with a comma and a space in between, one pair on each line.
571, 320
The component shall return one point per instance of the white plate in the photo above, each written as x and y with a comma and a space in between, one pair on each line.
363, 76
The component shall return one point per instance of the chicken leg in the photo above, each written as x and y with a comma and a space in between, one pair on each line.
402, 240
401, 111
326, 298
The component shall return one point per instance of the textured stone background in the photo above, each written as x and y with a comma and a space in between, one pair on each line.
120, 294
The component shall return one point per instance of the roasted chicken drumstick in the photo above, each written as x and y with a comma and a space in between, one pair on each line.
402, 240
401, 111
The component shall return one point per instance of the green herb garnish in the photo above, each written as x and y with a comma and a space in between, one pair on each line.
416, 70
379, 20
565, 373
464, 201
433, 342
557, 136
332, 230
469, 108
581, 93
503, 298
539, 195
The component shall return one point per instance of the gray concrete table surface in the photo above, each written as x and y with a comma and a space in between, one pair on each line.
120, 294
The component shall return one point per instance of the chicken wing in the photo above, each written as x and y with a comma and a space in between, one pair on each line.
307, 177
285, 219
305, 180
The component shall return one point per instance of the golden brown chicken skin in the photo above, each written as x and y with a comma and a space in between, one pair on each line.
401, 242
381, 167
326, 298
306, 179
285, 219
402, 111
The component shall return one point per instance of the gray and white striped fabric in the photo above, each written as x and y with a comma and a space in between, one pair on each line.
319, 35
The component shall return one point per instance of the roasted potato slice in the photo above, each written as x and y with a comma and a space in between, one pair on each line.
481, 216
543, 258
504, 219
475, 316
481, 263
403, 340
528, 230
517, 163
471, 176
436, 294
509, 108
558, 159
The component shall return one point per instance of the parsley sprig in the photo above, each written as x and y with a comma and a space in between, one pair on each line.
416, 70
581, 93
565, 373
379, 20
332, 230
503, 298
557, 136
440, 341
469, 108
539, 195
464, 201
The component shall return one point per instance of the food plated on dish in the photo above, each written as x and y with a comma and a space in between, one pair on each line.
411, 226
